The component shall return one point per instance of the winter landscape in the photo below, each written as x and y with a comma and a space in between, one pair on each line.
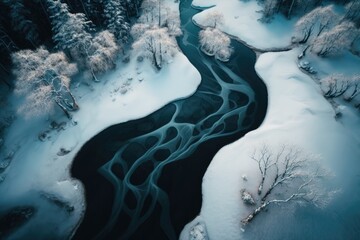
180, 119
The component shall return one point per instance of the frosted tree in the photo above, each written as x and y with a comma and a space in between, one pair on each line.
336, 40
151, 12
171, 20
215, 43
21, 22
44, 78
353, 11
334, 85
214, 19
354, 89
289, 175
7, 46
72, 34
139, 29
270, 7
70, 31
101, 54
155, 14
156, 45
314, 23
115, 20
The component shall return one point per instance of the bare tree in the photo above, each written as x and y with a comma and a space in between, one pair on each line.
44, 78
265, 161
289, 175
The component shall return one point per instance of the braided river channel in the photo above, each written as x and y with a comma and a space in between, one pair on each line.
143, 178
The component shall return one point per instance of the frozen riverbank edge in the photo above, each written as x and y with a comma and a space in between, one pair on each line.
38, 174
298, 114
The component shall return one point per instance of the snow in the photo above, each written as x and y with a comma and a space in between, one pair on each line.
133, 91
297, 114
241, 21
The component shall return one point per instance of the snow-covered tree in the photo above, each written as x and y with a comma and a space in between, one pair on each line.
139, 29
353, 11
171, 20
115, 20
21, 22
214, 19
72, 34
6, 43
336, 40
289, 175
70, 30
334, 85
354, 89
156, 44
44, 78
101, 54
152, 12
155, 14
270, 8
314, 23
215, 43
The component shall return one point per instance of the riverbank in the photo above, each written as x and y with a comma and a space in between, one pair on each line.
38, 174
297, 114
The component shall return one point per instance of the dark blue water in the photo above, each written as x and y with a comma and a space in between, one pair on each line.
143, 177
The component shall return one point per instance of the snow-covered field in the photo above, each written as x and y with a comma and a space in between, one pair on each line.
241, 21
39, 176
298, 114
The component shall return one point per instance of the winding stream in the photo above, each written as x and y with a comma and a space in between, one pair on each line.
143, 177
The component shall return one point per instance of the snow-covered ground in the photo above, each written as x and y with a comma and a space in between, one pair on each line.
298, 114
241, 21
39, 171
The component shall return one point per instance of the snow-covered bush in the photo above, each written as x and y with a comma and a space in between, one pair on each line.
213, 42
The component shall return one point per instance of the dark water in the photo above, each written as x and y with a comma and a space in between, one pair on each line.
143, 177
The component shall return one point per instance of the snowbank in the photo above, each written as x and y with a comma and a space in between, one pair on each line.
39, 172
241, 21
297, 114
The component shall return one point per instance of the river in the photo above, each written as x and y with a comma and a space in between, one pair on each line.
143, 177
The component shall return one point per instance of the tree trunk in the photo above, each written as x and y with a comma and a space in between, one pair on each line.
290, 9
306, 36
64, 109
75, 105
252, 215
94, 76
261, 185
352, 96
159, 14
